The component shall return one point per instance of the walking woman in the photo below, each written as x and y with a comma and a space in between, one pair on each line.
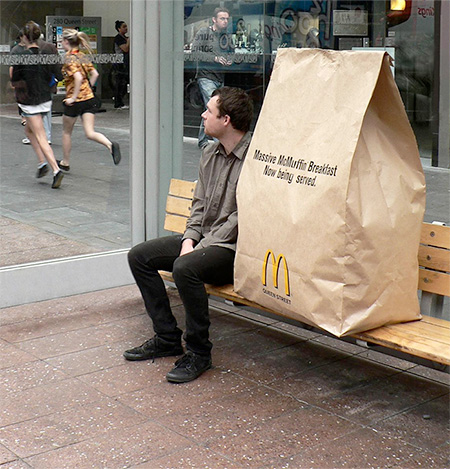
31, 82
79, 78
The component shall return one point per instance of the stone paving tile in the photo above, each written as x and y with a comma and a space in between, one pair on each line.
272, 442
90, 360
394, 362
45, 400
113, 304
28, 255
256, 342
16, 464
424, 459
27, 376
347, 347
191, 457
225, 325
247, 313
364, 448
65, 216
61, 429
160, 398
128, 377
4, 221
323, 378
384, 398
15, 356
77, 340
298, 331
36, 329
432, 374
417, 425
22, 243
243, 411
118, 448
274, 366
6, 455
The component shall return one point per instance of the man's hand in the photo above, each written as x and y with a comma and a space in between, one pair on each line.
187, 246
223, 61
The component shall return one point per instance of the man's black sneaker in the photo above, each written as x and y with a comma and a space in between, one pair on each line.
189, 367
42, 171
115, 152
153, 348
57, 178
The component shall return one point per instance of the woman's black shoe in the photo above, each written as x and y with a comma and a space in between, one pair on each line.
115, 152
63, 166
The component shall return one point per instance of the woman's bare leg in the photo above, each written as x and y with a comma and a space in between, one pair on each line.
35, 130
68, 124
34, 143
88, 120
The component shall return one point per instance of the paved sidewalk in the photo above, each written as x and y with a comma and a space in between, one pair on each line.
278, 396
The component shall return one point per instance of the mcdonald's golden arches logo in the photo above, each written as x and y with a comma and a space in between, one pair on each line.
276, 270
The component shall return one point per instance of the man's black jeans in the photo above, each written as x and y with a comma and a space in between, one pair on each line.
213, 265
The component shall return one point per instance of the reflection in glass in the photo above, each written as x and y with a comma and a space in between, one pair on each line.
90, 212
258, 28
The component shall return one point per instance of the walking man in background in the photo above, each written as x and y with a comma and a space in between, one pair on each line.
212, 46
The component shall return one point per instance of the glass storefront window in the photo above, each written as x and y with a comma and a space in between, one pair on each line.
256, 29
90, 212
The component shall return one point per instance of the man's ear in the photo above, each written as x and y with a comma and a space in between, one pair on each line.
226, 120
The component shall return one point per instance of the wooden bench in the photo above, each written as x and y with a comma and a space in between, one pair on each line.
428, 338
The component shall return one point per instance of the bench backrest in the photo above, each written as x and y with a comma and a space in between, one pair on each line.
434, 249
178, 205
434, 259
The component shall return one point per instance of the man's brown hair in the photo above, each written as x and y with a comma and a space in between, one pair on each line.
236, 103
220, 10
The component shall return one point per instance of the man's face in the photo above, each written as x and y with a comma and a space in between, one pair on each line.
221, 21
214, 125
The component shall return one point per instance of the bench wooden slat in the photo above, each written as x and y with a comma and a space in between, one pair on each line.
181, 188
438, 322
395, 337
175, 223
435, 235
434, 282
434, 258
424, 329
178, 206
428, 338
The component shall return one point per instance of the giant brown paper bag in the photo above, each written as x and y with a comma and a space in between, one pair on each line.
331, 195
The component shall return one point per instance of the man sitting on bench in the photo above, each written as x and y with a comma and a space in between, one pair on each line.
206, 251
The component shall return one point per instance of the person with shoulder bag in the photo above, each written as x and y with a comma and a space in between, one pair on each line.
79, 78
